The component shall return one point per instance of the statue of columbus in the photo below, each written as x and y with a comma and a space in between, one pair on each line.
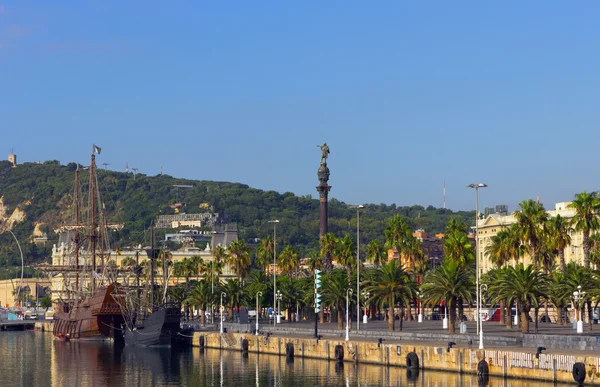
324, 152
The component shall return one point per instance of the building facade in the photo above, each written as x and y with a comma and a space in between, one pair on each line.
489, 226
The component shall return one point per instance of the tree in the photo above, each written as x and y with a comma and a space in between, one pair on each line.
530, 222
397, 233
393, 285
239, 257
328, 245
558, 231
334, 288
201, 297
449, 283
559, 293
46, 302
288, 260
458, 249
585, 220
456, 225
375, 253
499, 249
345, 253
236, 294
527, 285
264, 252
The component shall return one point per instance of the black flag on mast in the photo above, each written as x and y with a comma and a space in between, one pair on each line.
96, 149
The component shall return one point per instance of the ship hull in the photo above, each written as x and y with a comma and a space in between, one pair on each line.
160, 328
95, 318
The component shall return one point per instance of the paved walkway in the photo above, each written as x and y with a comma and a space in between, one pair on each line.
435, 326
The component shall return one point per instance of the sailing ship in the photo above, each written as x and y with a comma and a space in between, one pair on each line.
162, 325
86, 307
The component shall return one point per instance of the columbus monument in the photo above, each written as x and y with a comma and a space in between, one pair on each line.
323, 189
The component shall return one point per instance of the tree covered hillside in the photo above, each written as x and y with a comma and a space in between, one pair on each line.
45, 193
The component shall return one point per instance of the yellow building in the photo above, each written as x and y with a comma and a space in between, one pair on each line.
491, 224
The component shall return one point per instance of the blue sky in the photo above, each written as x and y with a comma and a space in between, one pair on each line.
407, 94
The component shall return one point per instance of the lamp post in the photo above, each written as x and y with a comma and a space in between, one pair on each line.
258, 294
477, 275
274, 221
578, 296
212, 280
221, 311
366, 296
277, 310
358, 263
483, 286
420, 318
349, 290
22, 260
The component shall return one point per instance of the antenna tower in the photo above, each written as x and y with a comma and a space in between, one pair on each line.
444, 194
134, 172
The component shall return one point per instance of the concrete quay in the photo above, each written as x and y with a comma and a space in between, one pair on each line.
507, 353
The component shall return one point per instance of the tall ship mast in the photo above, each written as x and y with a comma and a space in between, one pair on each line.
86, 306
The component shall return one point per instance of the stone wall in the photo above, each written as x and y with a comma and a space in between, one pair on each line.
514, 363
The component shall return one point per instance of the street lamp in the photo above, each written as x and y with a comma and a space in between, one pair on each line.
22, 260
278, 296
366, 296
212, 279
358, 207
258, 294
578, 296
349, 290
477, 275
223, 294
420, 318
480, 323
274, 221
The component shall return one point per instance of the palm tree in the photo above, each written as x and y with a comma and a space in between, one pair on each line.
315, 261
259, 282
449, 283
455, 225
397, 233
576, 276
530, 222
499, 249
264, 252
220, 257
516, 247
201, 297
393, 285
586, 209
558, 230
493, 277
328, 245
375, 253
346, 252
197, 266
334, 288
595, 250
236, 294
559, 293
239, 257
458, 249
288, 260
527, 285
291, 295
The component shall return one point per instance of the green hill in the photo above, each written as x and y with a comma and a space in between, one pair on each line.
44, 192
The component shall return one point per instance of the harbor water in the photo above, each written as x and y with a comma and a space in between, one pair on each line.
37, 359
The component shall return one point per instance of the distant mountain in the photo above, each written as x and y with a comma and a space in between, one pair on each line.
36, 198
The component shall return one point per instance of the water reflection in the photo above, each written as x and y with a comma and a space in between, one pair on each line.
36, 359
